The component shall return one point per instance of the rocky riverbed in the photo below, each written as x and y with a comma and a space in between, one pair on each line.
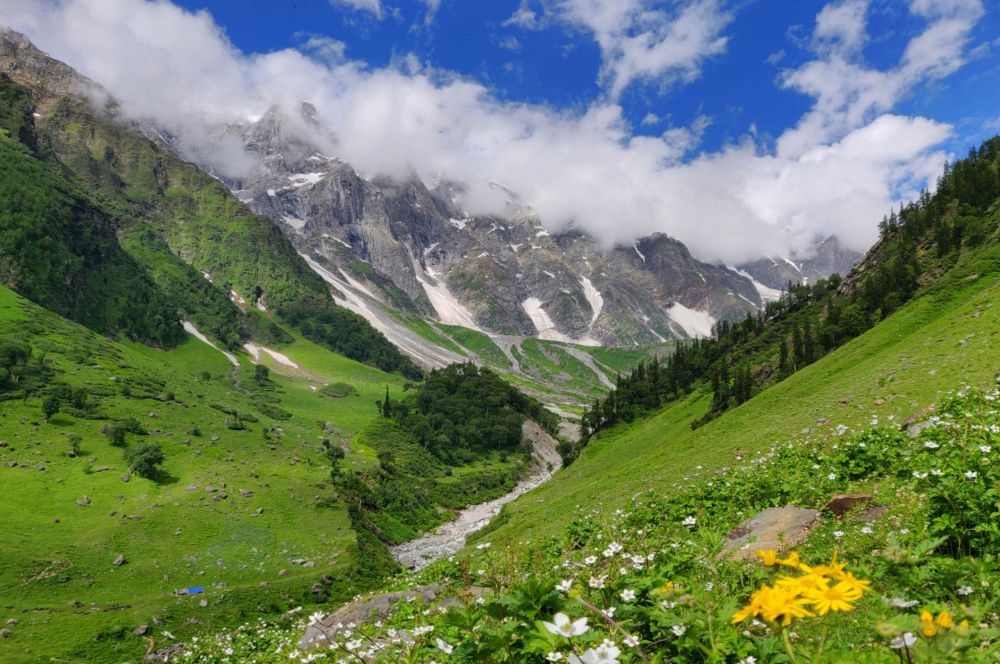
449, 538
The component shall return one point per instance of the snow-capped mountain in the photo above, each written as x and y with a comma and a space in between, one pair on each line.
415, 249
828, 257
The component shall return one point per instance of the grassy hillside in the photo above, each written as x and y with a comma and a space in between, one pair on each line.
629, 536
208, 254
948, 337
58, 247
57, 572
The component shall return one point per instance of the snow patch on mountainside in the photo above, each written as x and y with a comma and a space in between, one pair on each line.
694, 323
405, 339
594, 299
449, 310
540, 319
194, 332
766, 293
303, 179
255, 352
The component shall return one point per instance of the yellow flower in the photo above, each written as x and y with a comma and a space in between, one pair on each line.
855, 583
832, 570
944, 620
778, 605
963, 628
801, 584
767, 556
791, 561
833, 598
927, 626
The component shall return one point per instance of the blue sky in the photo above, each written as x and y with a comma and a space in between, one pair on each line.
559, 65
744, 128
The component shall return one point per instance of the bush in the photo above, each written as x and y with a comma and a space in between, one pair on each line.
144, 460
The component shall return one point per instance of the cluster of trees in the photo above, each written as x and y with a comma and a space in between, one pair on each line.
21, 372
463, 410
808, 321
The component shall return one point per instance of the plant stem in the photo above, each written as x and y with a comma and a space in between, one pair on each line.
788, 646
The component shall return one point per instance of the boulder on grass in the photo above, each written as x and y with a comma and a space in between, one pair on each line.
780, 528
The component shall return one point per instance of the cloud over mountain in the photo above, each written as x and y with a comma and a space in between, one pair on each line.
836, 171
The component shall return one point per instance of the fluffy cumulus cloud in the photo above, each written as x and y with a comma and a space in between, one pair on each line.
836, 171
639, 41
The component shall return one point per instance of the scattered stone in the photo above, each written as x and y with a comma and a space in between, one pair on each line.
4, 443
210, 489
823, 420
879, 402
191, 487
246, 493
282, 572
215, 438
844, 400
141, 630
260, 510
778, 528
119, 560
842, 503
203, 603
5, 633
83, 502
12, 464
871, 514
11, 622
222, 495
170, 654
101, 469
309, 564
126, 478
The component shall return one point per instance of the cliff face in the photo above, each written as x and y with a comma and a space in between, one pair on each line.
417, 250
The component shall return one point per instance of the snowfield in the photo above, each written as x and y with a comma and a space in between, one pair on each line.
194, 332
594, 299
694, 323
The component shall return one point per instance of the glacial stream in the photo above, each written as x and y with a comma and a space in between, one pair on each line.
449, 538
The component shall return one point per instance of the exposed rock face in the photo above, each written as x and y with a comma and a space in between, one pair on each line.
778, 528
830, 257
414, 248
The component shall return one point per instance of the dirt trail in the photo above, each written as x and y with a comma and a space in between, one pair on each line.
450, 537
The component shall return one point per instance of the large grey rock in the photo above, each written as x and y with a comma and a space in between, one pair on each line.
364, 611
780, 528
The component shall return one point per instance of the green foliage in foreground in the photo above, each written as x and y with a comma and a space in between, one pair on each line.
650, 583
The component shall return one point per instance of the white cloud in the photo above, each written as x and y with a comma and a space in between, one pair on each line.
837, 171
510, 43
373, 6
840, 27
432, 9
323, 48
848, 92
525, 17
638, 40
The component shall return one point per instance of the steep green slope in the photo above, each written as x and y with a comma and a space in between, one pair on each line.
58, 247
260, 446
923, 241
947, 337
181, 224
